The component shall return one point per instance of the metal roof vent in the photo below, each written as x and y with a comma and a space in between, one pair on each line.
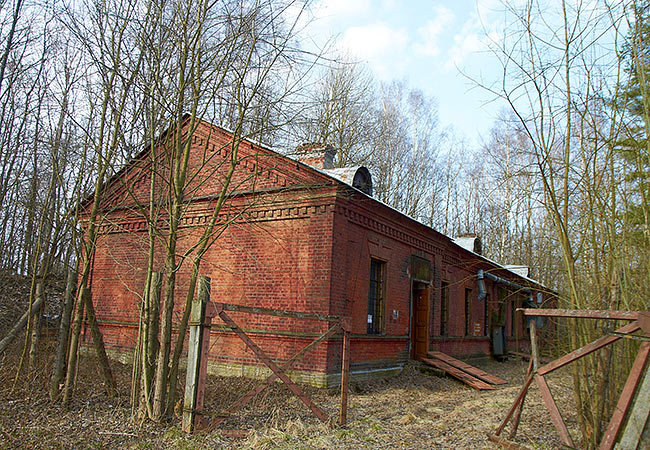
357, 177
363, 180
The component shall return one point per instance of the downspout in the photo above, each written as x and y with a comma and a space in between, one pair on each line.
481, 275
530, 302
481, 285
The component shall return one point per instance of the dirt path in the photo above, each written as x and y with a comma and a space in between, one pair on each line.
411, 411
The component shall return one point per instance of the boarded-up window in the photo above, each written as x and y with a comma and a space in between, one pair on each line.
468, 312
376, 292
420, 269
444, 308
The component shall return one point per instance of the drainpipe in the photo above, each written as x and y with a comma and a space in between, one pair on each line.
481, 285
481, 275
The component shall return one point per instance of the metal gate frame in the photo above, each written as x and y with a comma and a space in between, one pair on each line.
201, 316
640, 321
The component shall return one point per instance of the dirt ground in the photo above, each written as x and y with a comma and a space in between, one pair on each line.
414, 410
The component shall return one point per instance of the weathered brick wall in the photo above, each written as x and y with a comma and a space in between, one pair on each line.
280, 260
365, 229
276, 254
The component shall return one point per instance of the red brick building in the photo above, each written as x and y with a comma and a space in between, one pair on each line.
305, 237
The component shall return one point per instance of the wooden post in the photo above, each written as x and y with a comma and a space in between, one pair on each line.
626, 398
201, 316
345, 370
638, 419
533, 344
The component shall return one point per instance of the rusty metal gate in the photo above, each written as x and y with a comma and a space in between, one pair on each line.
640, 321
202, 313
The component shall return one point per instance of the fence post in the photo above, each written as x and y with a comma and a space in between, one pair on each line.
534, 351
201, 316
345, 370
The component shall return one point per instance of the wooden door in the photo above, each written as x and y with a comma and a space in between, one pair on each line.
420, 330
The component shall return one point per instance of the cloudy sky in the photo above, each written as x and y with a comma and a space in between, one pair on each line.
428, 43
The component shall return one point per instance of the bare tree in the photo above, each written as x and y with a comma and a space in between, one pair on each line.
561, 72
340, 112
231, 61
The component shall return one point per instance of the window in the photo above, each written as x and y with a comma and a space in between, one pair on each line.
444, 308
376, 296
468, 312
486, 306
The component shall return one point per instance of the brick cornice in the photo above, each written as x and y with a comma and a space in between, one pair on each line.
385, 228
278, 211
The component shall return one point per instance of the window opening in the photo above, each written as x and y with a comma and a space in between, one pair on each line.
444, 308
486, 306
468, 312
376, 296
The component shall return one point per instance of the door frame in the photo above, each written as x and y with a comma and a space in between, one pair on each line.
426, 286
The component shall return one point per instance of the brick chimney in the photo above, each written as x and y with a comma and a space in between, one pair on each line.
320, 156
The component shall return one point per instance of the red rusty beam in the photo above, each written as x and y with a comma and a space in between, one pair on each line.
517, 416
270, 379
519, 399
644, 321
625, 400
278, 312
556, 417
293, 387
235, 434
582, 313
587, 349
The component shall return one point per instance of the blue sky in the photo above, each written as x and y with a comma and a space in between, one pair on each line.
429, 44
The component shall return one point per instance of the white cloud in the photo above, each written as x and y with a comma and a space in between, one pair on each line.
476, 34
341, 8
383, 47
432, 30
465, 45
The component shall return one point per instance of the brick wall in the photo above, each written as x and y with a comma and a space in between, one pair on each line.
298, 241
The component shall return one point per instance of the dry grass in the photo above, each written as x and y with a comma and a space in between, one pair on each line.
411, 411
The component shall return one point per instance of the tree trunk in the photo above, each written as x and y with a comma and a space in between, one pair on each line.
64, 334
98, 343
36, 324
72, 352
150, 344
19, 325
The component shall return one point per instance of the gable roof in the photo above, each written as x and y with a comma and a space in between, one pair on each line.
138, 161
343, 176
